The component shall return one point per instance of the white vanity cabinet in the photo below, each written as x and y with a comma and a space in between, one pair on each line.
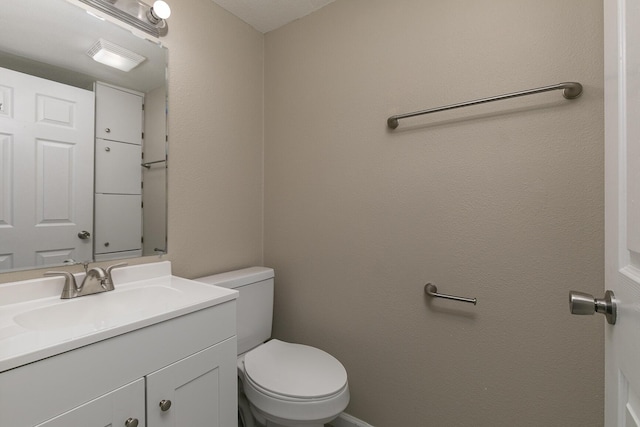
189, 361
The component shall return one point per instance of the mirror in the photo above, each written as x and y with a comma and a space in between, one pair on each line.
83, 146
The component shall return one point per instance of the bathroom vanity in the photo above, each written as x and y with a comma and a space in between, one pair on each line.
158, 351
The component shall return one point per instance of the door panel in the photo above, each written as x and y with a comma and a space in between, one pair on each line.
201, 388
118, 222
112, 409
118, 169
120, 114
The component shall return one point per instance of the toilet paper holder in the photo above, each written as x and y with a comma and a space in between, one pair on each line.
431, 290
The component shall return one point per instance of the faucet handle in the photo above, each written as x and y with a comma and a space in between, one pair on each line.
70, 287
109, 281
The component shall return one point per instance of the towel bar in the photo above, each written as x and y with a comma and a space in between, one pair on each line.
432, 291
570, 90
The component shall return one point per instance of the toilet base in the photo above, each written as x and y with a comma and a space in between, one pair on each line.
250, 416
262, 421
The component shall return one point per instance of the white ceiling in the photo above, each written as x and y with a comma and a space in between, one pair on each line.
267, 15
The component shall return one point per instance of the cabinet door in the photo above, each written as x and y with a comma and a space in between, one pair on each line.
118, 223
201, 389
118, 169
112, 409
118, 114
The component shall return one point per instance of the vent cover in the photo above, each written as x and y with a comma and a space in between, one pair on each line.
115, 56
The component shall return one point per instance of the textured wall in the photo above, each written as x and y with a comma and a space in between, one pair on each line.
503, 202
215, 140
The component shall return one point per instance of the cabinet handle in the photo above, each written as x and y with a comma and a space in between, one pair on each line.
131, 422
107, 130
106, 244
107, 149
165, 405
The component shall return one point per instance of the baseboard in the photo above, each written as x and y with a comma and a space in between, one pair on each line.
346, 420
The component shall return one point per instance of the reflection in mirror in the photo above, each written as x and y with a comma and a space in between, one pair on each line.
82, 145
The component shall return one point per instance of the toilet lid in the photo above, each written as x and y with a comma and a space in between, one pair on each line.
295, 370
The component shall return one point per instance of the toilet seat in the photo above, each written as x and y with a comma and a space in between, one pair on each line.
293, 384
294, 371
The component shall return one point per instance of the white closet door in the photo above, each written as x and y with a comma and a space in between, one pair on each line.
46, 171
118, 169
119, 115
115, 229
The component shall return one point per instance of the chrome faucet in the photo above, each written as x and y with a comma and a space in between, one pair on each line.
93, 282
96, 280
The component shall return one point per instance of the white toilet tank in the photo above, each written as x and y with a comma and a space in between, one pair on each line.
254, 306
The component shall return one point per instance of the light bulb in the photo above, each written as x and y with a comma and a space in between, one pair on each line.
161, 9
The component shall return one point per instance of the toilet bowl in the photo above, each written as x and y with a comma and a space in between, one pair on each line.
283, 384
293, 384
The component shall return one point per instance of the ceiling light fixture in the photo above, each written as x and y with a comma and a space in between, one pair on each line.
108, 53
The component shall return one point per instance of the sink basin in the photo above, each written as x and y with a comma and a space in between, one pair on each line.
99, 310
35, 323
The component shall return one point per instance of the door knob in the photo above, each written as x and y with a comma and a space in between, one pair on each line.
84, 235
583, 303
165, 405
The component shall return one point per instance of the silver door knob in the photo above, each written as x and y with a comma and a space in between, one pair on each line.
131, 422
583, 303
84, 235
165, 405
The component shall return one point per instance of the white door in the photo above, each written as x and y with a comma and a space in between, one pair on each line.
46, 171
622, 210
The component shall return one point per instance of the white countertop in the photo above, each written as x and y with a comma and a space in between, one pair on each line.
35, 323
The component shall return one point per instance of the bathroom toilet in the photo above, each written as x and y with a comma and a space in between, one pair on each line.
279, 383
